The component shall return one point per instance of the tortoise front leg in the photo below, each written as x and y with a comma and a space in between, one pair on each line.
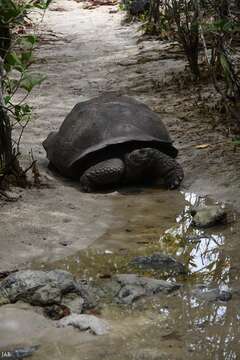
169, 169
154, 165
108, 172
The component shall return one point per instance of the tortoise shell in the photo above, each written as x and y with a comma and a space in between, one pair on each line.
104, 127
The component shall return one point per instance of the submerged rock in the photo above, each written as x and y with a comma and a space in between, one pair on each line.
207, 216
41, 288
204, 293
127, 288
86, 322
159, 261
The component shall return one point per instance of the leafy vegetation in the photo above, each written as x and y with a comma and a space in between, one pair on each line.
208, 32
16, 82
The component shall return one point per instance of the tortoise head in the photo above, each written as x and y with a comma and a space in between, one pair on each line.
141, 158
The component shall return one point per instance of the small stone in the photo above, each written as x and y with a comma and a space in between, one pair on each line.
225, 295
86, 322
63, 243
212, 294
207, 216
130, 287
108, 252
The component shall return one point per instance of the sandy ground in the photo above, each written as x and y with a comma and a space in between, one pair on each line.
85, 53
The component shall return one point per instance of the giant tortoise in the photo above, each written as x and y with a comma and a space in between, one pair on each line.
113, 140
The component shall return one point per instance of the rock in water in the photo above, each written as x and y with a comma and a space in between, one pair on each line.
160, 262
86, 322
130, 287
212, 294
207, 216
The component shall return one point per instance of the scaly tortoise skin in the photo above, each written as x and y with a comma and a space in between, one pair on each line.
113, 140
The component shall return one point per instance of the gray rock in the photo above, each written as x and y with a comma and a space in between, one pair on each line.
130, 293
207, 216
215, 294
159, 261
41, 287
85, 322
132, 287
36, 286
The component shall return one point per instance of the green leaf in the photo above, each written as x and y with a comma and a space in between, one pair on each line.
7, 99
236, 141
28, 41
43, 4
29, 81
13, 59
22, 112
26, 57
11, 85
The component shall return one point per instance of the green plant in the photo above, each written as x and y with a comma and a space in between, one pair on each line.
221, 30
16, 82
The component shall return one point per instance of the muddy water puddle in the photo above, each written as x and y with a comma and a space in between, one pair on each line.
190, 323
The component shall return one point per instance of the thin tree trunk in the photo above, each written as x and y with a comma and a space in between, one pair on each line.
154, 11
5, 40
6, 150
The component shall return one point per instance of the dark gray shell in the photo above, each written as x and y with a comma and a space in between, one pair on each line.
98, 128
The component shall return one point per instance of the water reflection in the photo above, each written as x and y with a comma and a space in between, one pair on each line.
203, 251
211, 326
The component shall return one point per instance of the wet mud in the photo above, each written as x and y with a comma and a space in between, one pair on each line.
189, 322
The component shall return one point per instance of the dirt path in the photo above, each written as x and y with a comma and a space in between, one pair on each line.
84, 53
